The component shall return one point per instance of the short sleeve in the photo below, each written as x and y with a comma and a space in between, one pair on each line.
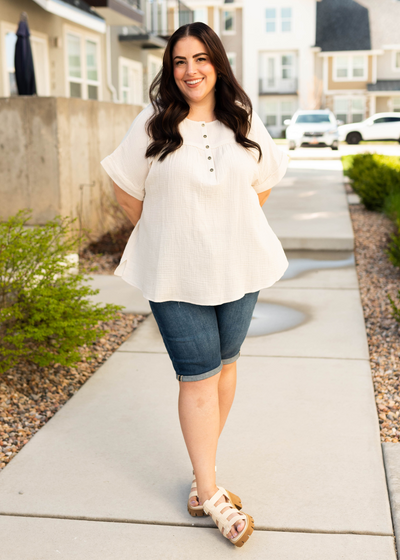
274, 162
127, 165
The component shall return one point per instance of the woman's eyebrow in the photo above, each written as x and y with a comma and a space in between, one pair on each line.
194, 56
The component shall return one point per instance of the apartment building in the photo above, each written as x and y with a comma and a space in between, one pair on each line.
279, 58
359, 58
69, 40
226, 19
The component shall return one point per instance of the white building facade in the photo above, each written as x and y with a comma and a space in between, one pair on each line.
279, 59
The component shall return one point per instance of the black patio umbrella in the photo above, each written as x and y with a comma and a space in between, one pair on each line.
23, 61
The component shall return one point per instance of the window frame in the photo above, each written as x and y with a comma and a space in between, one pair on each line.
203, 9
350, 112
350, 68
278, 20
84, 81
42, 38
233, 56
279, 114
273, 20
285, 19
228, 31
396, 53
134, 65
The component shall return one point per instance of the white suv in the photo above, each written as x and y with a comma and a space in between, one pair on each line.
312, 128
382, 126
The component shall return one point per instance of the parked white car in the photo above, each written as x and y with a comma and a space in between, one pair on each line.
382, 126
312, 128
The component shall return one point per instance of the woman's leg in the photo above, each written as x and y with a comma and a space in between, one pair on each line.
226, 392
199, 415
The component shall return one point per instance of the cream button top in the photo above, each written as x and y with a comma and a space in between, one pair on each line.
202, 237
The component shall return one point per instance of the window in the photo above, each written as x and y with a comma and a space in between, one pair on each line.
11, 39
229, 21
39, 46
276, 112
270, 14
396, 104
341, 109
350, 68
349, 109
287, 66
358, 66
83, 67
271, 72
286, 19
131, 81
232, 61
313, 118
200, 15
342, 67
396, 56
271, 113
286, 111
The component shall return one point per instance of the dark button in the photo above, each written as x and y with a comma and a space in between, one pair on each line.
209, 157
207, 146
204, 135
211, 169
203, 124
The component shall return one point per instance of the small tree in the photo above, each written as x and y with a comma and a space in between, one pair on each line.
45, 315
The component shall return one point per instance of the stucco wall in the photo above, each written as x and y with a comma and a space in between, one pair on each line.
51, 146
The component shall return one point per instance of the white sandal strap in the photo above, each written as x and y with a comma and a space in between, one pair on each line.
219, 518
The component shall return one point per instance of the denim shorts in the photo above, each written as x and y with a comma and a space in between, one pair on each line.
200, 339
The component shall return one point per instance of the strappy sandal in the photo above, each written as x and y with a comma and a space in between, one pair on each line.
221, 519
198, 511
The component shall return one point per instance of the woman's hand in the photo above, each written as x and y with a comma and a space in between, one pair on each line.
262, 197
131, 205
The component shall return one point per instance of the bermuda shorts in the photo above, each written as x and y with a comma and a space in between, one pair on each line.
200, 339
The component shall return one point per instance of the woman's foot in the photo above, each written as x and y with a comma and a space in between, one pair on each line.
236, 527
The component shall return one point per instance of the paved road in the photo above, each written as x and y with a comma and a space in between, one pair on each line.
107, 477
344, 150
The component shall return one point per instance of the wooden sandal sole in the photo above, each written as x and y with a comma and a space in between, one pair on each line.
247, 532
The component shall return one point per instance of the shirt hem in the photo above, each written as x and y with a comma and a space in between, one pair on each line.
215, 302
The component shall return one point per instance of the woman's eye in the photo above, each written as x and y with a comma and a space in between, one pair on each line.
201, 59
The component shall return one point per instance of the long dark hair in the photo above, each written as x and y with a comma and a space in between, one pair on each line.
232, 107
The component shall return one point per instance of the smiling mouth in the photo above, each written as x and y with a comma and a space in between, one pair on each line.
193, 82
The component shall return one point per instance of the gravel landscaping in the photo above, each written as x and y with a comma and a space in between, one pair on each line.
30, 395
377, 277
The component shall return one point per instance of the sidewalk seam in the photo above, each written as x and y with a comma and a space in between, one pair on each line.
191, 526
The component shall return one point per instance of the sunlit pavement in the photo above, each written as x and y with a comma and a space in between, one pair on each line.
107, 478
389, 149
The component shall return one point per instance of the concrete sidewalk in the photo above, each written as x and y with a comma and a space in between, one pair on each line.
107, 478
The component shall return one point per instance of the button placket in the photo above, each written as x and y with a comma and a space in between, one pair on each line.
209, 157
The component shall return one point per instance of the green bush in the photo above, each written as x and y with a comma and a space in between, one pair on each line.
44, 314
391, 207
373, 177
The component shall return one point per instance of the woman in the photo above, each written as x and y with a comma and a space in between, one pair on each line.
192, 173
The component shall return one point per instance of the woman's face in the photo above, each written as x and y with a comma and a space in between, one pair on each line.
194, 74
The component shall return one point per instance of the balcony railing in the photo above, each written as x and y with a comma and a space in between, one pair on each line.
277, 85
163, 24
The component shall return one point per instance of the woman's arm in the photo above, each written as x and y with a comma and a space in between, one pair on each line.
132, 206
262, 196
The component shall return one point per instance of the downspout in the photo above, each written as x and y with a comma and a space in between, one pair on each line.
108, 54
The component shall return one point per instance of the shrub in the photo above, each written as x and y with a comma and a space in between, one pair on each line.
391, 207
44, 313
373, 178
